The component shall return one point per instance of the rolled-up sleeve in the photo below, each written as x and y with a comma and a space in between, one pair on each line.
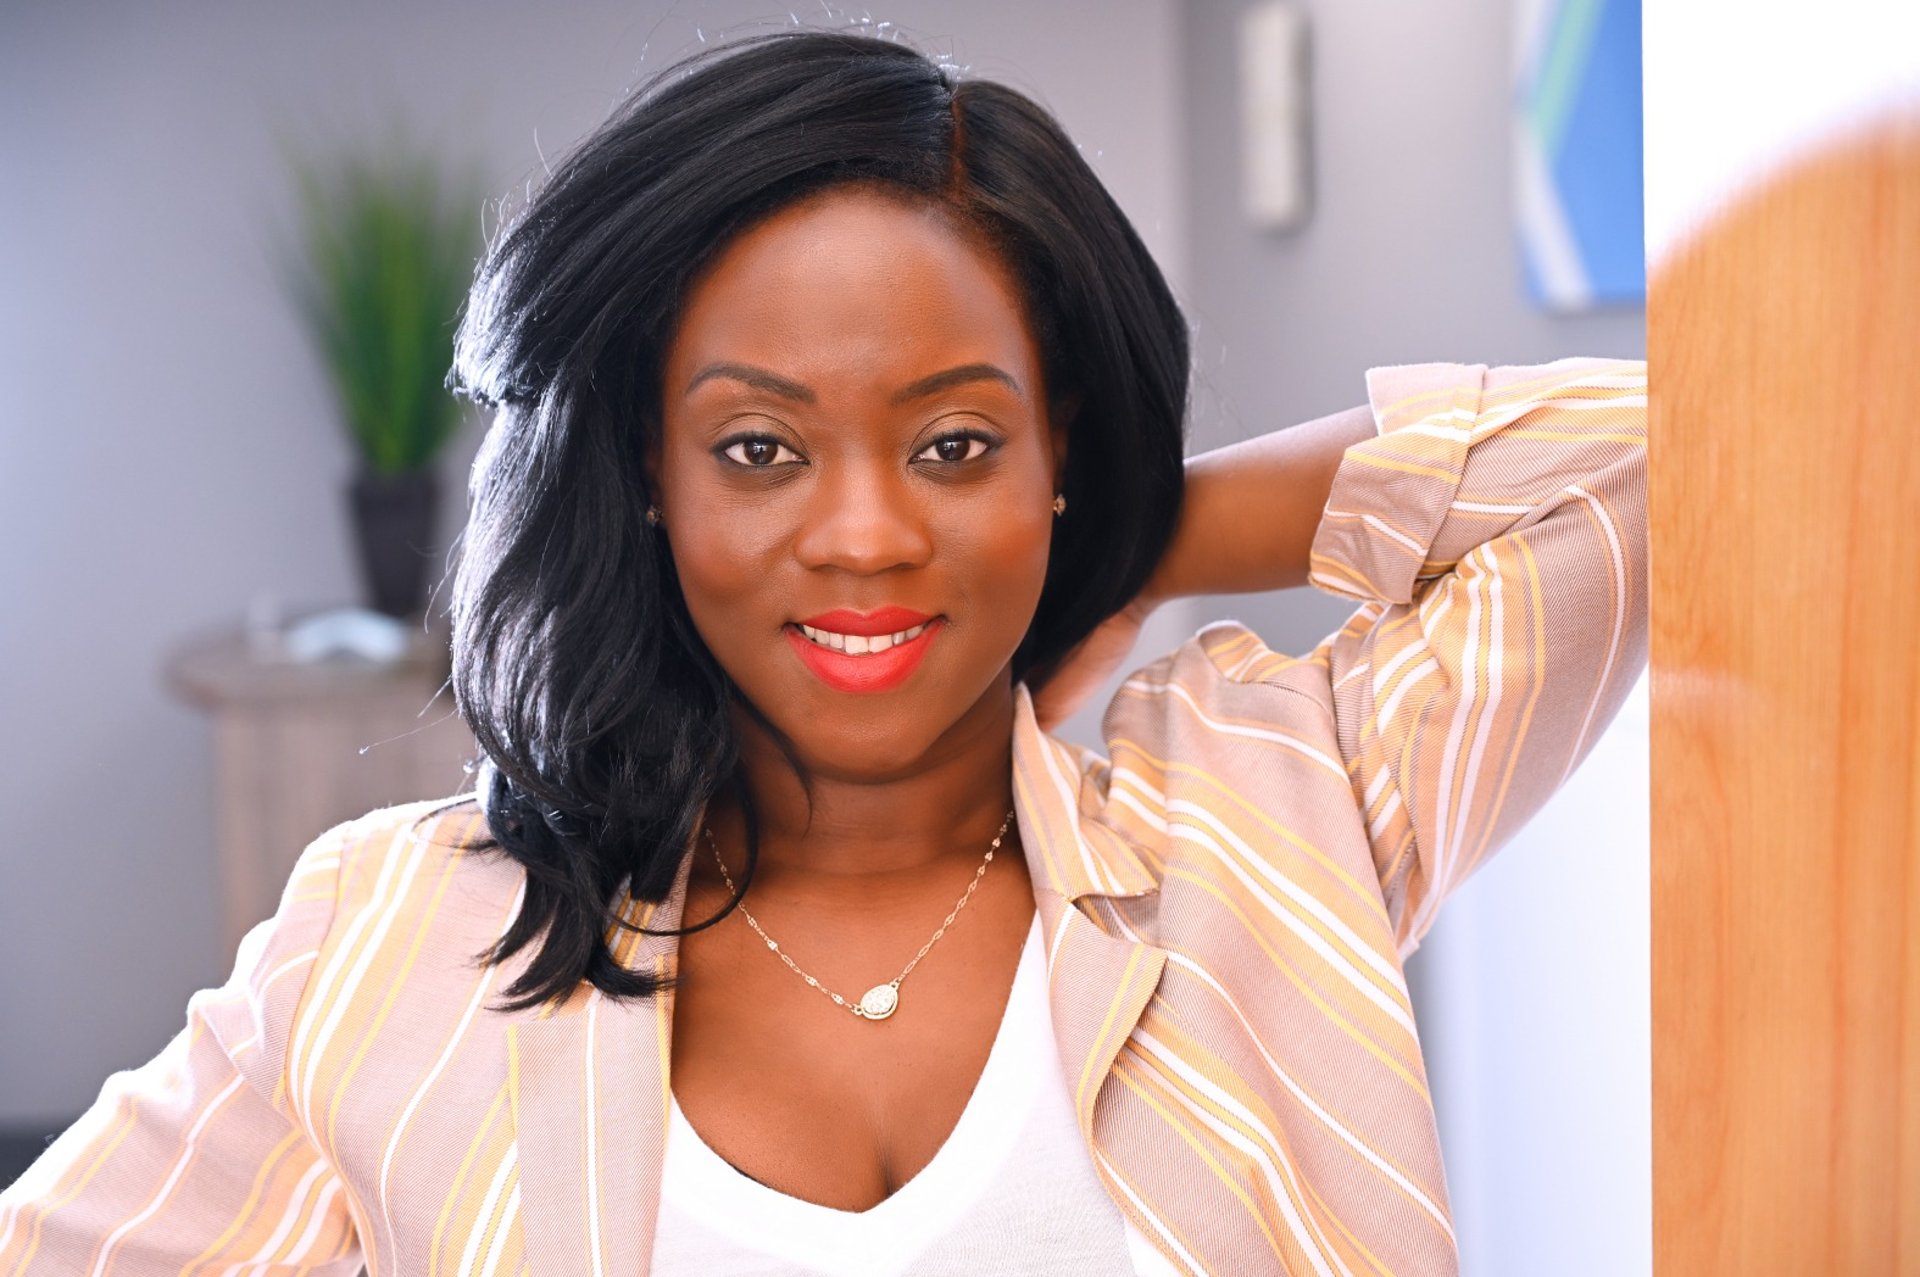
1496, 531
197, 1159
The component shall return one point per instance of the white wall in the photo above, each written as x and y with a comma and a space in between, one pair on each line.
167, 445
1531, 990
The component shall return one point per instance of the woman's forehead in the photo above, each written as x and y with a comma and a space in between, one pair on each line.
853, 286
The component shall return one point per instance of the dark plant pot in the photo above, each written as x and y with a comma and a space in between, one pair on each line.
393, 522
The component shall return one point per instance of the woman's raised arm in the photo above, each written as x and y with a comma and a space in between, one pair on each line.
1495, 530
1493, 524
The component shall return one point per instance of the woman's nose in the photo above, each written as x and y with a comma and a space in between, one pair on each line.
863, 520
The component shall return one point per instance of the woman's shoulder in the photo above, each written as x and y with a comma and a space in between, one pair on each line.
410, 858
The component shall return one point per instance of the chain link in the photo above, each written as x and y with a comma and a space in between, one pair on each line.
895, 982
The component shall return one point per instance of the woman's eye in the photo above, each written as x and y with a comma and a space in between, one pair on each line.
759, 452
957, 448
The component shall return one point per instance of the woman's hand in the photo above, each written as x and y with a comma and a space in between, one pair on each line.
1082, 671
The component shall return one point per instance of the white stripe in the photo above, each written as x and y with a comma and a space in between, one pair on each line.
309, 1038
1619, 620
1275, 1167
38, 1181
1496, 687
1396, 1012
1113, 1177
1307, 1101
1488, 507
1385, 673
1059, 934
1379, 524
1231, 729
1494, 420
1414, 675
1134, 779
433, 1075
1443, 823
1434, 429
1353, 673
1373, 789
1351, 589
485, 1215
288, 1216
1499, 419
173, 1175
315, 867
500, 1234
1070, 809
1379, 823
255, 997
315, 1222
1117, 795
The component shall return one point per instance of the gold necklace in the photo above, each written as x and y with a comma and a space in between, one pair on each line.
881, 1000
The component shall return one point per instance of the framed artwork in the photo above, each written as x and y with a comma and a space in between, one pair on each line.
1577, 153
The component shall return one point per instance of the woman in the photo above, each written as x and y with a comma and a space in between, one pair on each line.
837, 455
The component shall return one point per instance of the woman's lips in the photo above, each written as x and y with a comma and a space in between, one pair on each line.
871, 671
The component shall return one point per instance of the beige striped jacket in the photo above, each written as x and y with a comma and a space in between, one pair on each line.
1226, 895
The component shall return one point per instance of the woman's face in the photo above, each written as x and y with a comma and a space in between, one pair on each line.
856, 440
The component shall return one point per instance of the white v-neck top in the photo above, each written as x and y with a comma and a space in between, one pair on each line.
1012, 1191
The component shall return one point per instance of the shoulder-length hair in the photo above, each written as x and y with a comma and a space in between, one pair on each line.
602, 719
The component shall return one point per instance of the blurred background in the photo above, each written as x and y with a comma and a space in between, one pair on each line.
1329, 187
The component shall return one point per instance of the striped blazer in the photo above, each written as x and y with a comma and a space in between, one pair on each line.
1226, 894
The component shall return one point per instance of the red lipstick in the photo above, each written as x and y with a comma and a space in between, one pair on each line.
867, 671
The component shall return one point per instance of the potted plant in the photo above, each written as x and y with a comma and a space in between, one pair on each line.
386, 250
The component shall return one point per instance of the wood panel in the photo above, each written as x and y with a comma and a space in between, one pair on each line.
1784, 356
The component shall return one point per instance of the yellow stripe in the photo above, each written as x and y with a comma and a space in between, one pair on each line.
1257, 1134
1514, 391
1107, 1171
1319, 928
1539, 681
255, 1193
1348, 570
119, 1132
458, 1186
1339, 1021
1405, 467
394, 985
1364, 892
1106, 1025
1220, 1172
1512, 432
1169, 1025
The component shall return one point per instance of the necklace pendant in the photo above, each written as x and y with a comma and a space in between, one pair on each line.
879, 1001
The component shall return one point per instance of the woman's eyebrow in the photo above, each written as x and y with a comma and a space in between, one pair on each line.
954, 377
758, 378
774, 383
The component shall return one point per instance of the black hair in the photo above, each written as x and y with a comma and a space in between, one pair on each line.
601, 718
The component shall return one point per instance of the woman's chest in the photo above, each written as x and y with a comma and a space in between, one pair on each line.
798, 1093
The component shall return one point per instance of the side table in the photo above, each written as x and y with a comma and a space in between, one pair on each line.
288, 750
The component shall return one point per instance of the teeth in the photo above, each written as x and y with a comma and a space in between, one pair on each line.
860, 644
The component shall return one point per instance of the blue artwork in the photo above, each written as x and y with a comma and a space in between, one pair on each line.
1577, 152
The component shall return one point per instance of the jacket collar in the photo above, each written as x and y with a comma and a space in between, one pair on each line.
589, 1079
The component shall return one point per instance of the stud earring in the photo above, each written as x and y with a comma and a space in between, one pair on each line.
653, 515
1059, 505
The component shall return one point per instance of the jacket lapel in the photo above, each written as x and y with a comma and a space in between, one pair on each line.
1098, 984
590, 1106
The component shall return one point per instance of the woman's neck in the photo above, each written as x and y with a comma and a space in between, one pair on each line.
944, 806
